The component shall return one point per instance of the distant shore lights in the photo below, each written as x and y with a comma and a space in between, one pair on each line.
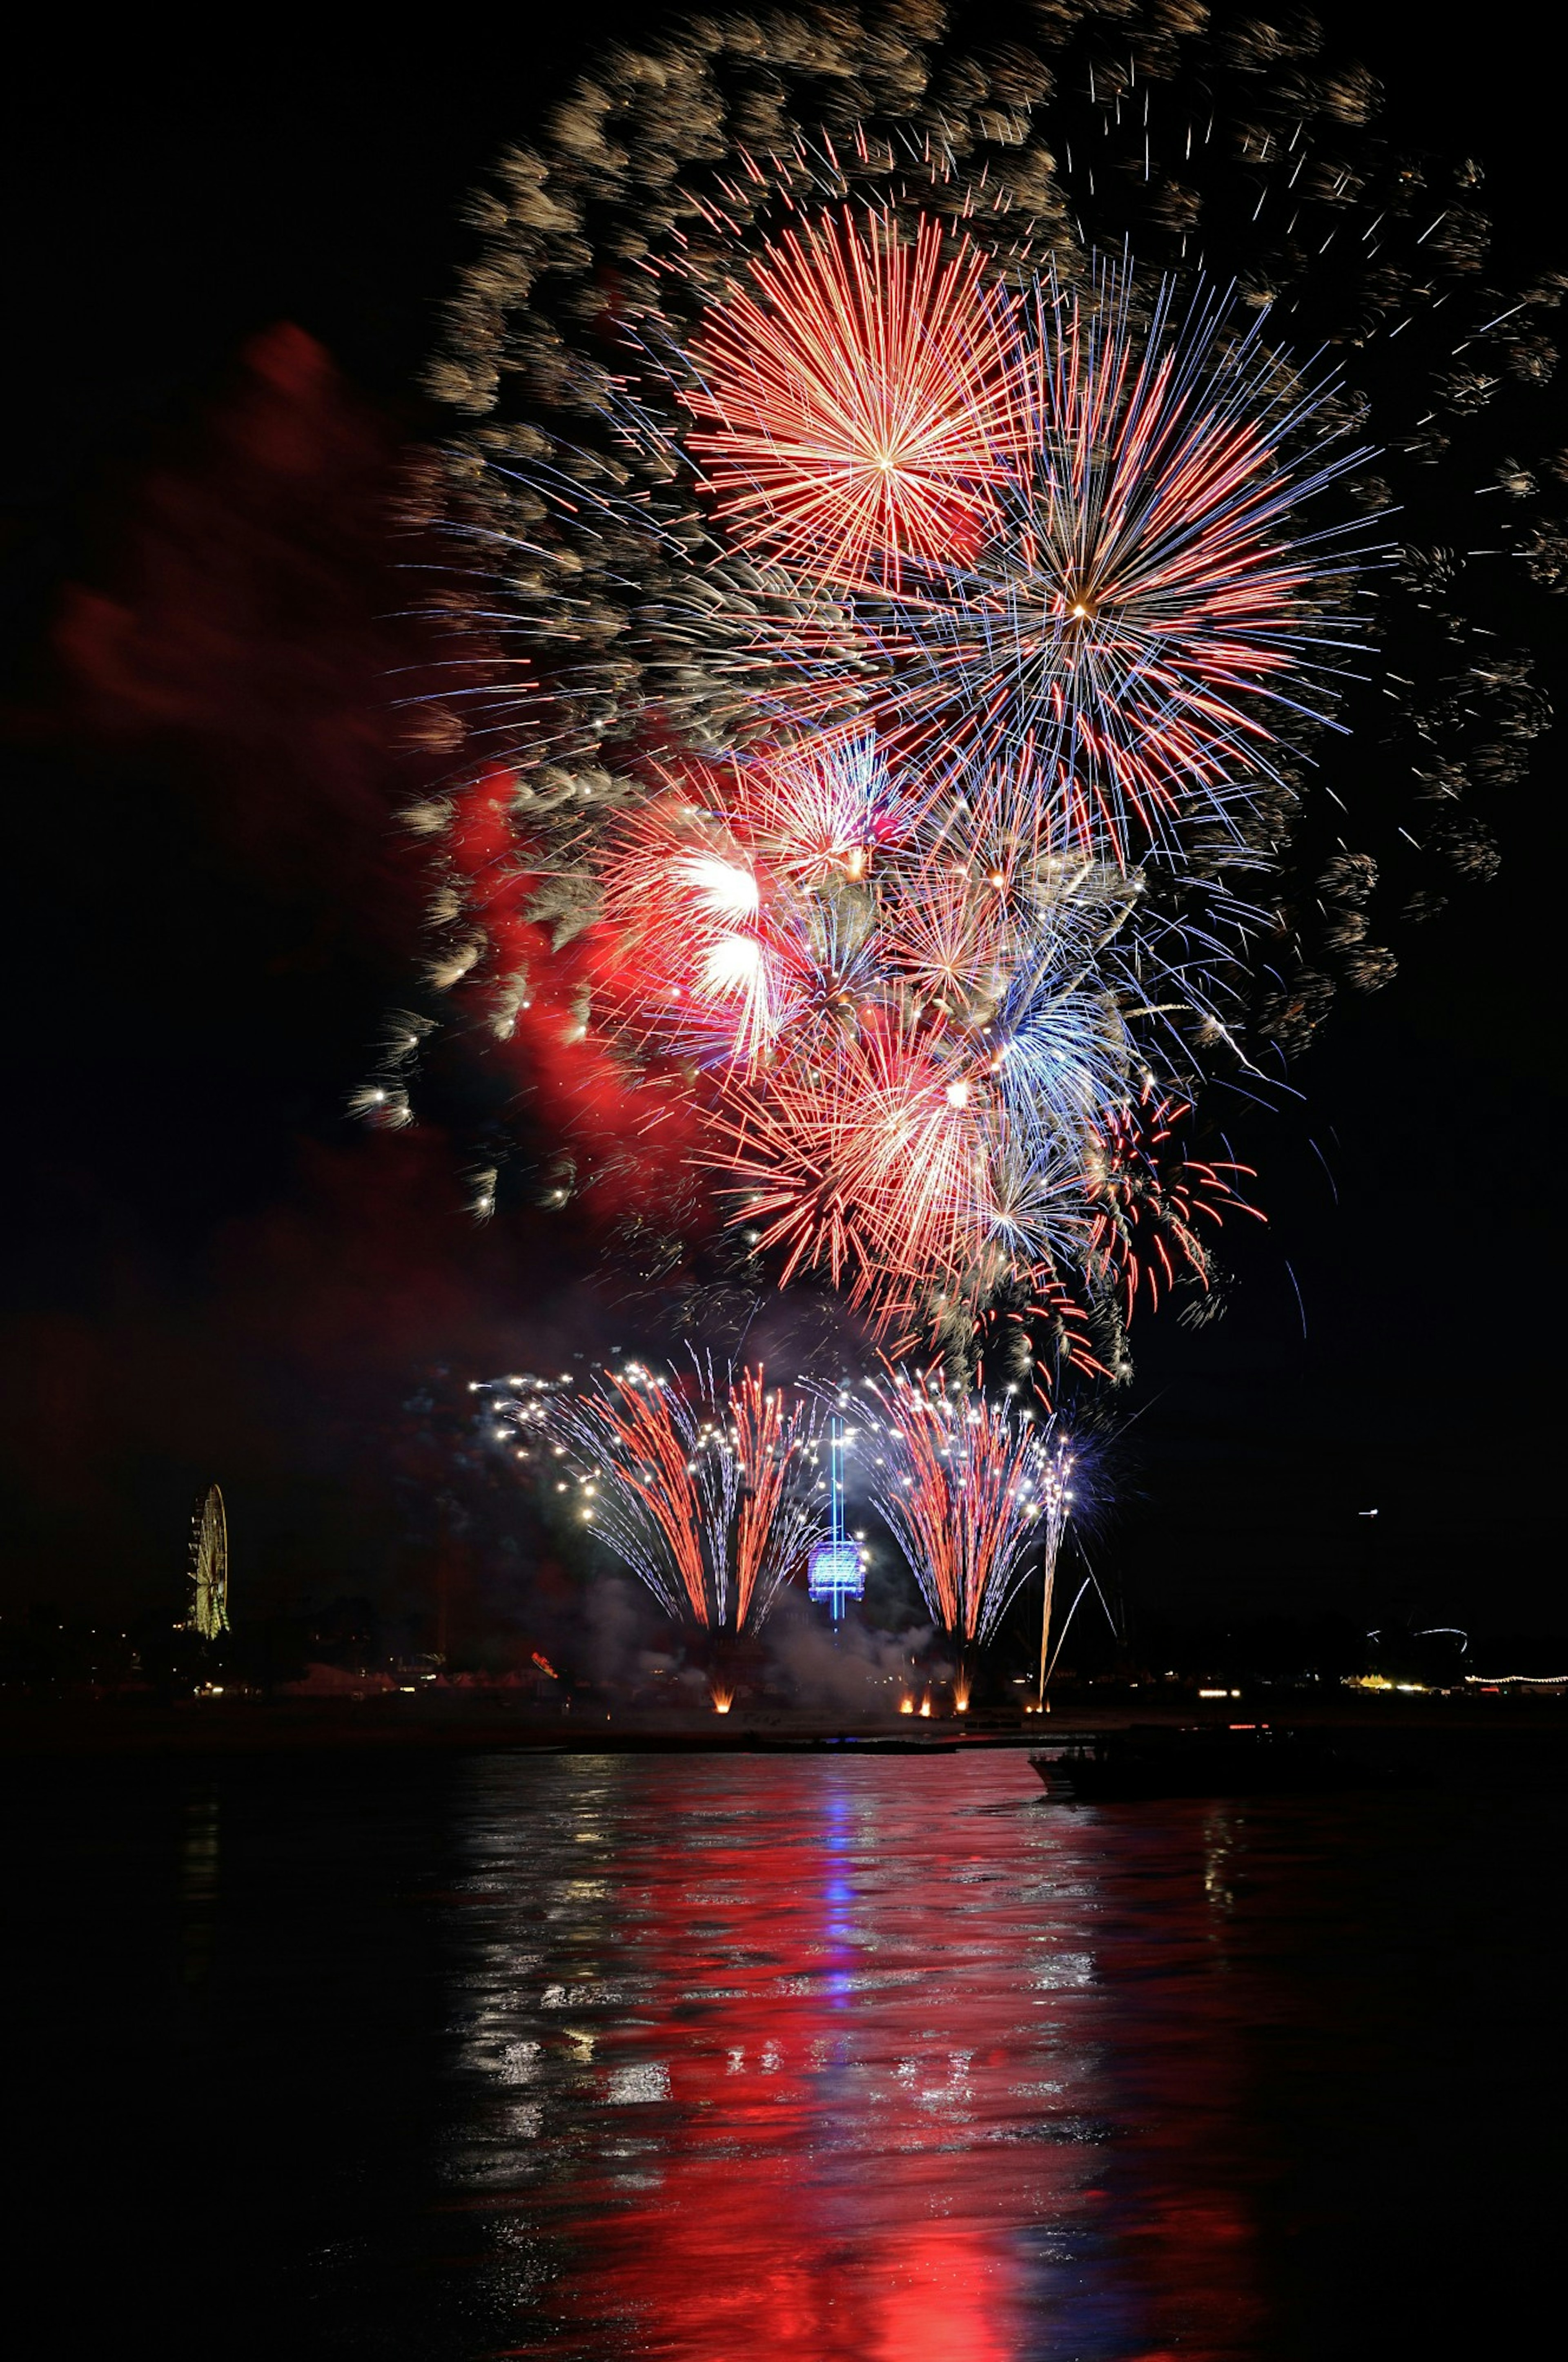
834, 1572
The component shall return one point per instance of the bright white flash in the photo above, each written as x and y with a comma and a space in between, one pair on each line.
723, 889
731, 964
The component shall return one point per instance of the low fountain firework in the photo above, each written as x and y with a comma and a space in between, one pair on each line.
975, 1491
704, 1485
709, 1485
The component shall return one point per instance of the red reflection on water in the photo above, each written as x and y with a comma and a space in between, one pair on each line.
862, 2091
787, 2223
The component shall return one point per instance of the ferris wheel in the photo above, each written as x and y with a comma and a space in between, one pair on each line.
210, 1567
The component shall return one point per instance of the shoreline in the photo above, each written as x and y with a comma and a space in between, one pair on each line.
114, 1728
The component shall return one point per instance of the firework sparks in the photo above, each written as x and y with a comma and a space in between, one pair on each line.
936, 1018
1148, 593
857, 399
896, 638
1148, 1198
962, 1483
704, 1489
1056, 1499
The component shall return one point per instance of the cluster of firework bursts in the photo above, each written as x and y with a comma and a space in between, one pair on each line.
919, 1034
921, 975
924, 533
896, 650
711, 1487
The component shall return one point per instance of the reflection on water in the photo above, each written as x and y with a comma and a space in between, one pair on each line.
707, 2058
821, 2059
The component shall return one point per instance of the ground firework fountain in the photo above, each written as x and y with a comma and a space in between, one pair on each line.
1055, 1502
964, 1485
702, 1484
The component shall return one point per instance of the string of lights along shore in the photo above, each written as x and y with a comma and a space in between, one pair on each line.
940, 693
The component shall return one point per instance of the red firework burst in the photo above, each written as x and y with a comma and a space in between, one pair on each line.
857, 400
823, 807
870, 1168
684, 948
1146, 1197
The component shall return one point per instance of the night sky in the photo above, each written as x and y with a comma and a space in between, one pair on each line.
223, 280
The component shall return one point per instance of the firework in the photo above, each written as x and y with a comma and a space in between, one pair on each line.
963, 1485
859, 399
894, 642
916, 1024
704, 1489
1148, 1198
1054, 1489
913, 1021
737, 919
1149, 597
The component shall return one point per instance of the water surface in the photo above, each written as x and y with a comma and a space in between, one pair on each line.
707, 2057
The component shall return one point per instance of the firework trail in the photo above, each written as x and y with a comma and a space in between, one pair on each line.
908, 666
1148, 1198
1056, 1498
705, 1489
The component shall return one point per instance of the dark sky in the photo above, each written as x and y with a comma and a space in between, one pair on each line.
222, 283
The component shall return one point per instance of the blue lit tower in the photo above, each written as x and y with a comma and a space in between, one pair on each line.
834, 1572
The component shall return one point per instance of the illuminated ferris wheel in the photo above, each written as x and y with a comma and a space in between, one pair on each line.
210, 1567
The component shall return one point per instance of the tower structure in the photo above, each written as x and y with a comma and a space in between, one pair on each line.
210, 1567
1057, 1502
834, 1572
